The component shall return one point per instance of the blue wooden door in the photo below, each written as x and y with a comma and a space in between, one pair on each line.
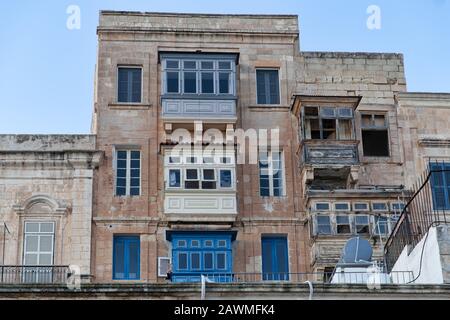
126, 260
275, 262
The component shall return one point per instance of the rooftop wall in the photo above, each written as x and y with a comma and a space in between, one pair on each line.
198, 22
32, 142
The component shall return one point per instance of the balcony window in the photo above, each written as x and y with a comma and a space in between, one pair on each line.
342, 206
198, 75
375, 137
361, 224
323, 224
379, 206
361, 206
199, 173
271, 174
381, 225
343, 225
328, 123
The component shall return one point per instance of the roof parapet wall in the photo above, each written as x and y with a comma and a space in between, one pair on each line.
33, 142
145, 21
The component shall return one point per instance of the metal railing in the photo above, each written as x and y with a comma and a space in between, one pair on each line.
420, 213
34, 274
396, 277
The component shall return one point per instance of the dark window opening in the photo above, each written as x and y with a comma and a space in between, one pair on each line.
375, 143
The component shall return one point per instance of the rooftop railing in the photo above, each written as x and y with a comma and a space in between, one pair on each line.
425, 208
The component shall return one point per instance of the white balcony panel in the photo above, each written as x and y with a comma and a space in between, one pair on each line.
198, 109
214, 204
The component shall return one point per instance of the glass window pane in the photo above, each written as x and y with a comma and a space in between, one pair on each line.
172, 64
121, 155
120, 191
208, 185
135, 155
221, 261
192, 174
134, 191
45, 259
190, 82
47, 226
208, 260
31, 243
172, 79
207, 82
31, 259
225, 178
135, 182
208, 174
182, 261
31, 227
121, 182
190, 64
192, 184
195, 261
174, 178
46, 243
224, 65
207, 65
224, 82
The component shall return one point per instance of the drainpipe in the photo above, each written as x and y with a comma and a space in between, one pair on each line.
311, 290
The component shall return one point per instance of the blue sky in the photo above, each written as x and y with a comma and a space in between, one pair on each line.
47, 70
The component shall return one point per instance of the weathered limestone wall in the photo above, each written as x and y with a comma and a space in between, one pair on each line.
48, 178
424, 125
377, 77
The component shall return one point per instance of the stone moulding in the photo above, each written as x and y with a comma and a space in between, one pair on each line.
57, 207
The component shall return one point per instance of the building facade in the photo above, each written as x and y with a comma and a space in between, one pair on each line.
229, 152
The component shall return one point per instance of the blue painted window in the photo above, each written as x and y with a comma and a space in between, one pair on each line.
196, 253
440, 185
129, 85
275, 263
268, 87
126, 258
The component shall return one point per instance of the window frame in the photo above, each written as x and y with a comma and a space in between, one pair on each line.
125, 66
320, 117
198, 70
127, 240
38, 234
279, 85
349, 224
128, 177
217, 166
356, 224
318, 225
445, 187
270, 174
374, 127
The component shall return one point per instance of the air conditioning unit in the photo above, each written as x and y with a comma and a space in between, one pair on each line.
163, 266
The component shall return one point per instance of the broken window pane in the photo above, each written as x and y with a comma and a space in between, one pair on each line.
345, 129
375, 143
329, 128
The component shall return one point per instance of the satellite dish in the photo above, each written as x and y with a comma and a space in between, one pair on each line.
356, 250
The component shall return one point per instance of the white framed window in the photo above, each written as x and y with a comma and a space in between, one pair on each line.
200, 172
323, 225
380, 206
322, 206
381, 225
343, 224
199, 75
342, 206
397, 207
39, 237
271, 174
361, 206
128, 172
361, 223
